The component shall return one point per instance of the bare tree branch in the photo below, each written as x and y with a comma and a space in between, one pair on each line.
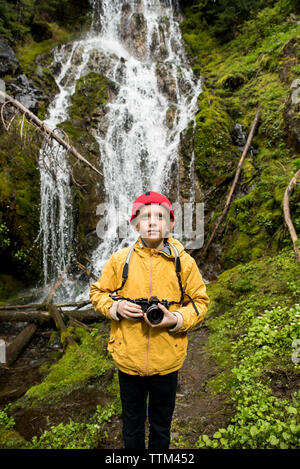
47, 133
287, 215
236, 178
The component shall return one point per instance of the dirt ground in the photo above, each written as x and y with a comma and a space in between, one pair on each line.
197, 409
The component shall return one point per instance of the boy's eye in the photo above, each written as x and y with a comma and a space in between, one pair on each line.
158, 216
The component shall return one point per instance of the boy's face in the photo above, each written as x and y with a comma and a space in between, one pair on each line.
153, 222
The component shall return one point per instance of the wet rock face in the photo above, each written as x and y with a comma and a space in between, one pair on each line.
158, 48
291, 116
101, 63
134, 32
9, 64
290, 54
88, 109
26, 92
166, 81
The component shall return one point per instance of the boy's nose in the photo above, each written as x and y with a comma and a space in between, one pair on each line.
152, 219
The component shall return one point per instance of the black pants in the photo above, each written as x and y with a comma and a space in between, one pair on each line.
134, 391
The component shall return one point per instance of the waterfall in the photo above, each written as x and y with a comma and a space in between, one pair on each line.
140, 43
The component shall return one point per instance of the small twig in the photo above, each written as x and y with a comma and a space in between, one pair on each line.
287, 215
22, 125
55, 286
77, 323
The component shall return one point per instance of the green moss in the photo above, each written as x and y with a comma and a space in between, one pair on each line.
19, 202
27, 52
249, 171
231, 81
85, 372
79, 364
73, 131
213, 142
256, 67
91, 94
10, 439
257, 285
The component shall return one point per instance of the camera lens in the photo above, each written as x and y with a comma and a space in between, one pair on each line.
154, 314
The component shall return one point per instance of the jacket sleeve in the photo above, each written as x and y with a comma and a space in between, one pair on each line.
99, 292
194, 286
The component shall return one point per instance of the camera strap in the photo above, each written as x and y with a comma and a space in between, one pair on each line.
178, 274
124, 273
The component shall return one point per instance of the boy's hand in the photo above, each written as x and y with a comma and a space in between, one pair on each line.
169, 319
129, 310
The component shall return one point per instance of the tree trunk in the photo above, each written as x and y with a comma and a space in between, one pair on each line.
55, 313
43, 317
16, 346
41, 306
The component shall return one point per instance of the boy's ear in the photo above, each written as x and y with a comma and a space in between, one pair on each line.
171, 226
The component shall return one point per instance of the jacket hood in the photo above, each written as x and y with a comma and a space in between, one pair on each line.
140, 247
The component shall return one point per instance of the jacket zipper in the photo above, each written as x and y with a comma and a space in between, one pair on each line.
148, 332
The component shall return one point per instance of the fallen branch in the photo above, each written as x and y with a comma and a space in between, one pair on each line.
36, 306
48, 133
43, 317
75, 323
77, 304
88, 272
39, 317
287, 215
236, 178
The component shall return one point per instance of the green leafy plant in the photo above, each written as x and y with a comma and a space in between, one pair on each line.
5, 420
262, 420
75, 435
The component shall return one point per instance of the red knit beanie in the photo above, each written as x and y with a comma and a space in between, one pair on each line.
148, 198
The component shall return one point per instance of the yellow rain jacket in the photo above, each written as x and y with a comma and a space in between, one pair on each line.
136, 347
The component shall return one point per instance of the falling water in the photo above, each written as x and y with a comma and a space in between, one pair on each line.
140, 44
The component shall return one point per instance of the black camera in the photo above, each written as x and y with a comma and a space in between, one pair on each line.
150, 308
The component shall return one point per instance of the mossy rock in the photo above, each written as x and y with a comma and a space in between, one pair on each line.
20, 204
232, 81
87, 187
213, 141
83, 363
87, 117
263, 282
11, 439
92, 93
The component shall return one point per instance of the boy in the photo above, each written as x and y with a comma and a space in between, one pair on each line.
149, 354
